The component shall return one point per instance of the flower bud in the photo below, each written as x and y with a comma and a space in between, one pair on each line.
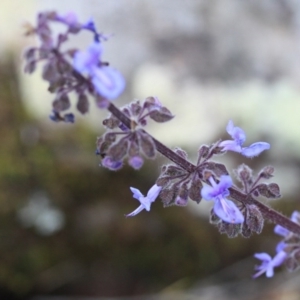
182, 197
83, 103
181, 153
244, 174
136, 162
111, 164
266, 172
135, 108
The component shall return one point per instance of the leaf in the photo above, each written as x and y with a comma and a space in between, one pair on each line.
83, 103
161, 115
146, 143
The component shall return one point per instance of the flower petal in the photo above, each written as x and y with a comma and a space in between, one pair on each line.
153, 192
135, 212
225, 182
207, 193
255, 149
281, 230
263, 256
279, 258
145, 202
236, 133
280, 246
136, 161
108, 82
86, 61
136, 193
220, 189
230, 145
228, 211
295, 217
270, 271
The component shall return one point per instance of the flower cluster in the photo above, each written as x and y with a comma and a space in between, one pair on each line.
287, 251
83, 73
236, 208
211, 181
120, 142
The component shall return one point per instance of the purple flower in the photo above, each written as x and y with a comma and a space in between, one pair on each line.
268, 264
136, 162
108, 82
56, 117
280, 246
69, 118
110, 164
223, 208
90, 25
145, 201
239, 138
179, 201
87, 61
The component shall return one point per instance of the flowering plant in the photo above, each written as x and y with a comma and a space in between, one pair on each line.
236, 210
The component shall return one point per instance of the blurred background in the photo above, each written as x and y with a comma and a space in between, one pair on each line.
63, 234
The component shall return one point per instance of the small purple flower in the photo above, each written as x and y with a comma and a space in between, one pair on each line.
280, 246
179, 201
110, 164
223, 208
90, 25
108, 82
145, 201
136, 162
239, 138
268, 264
69, 118
56, 117
87, 61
